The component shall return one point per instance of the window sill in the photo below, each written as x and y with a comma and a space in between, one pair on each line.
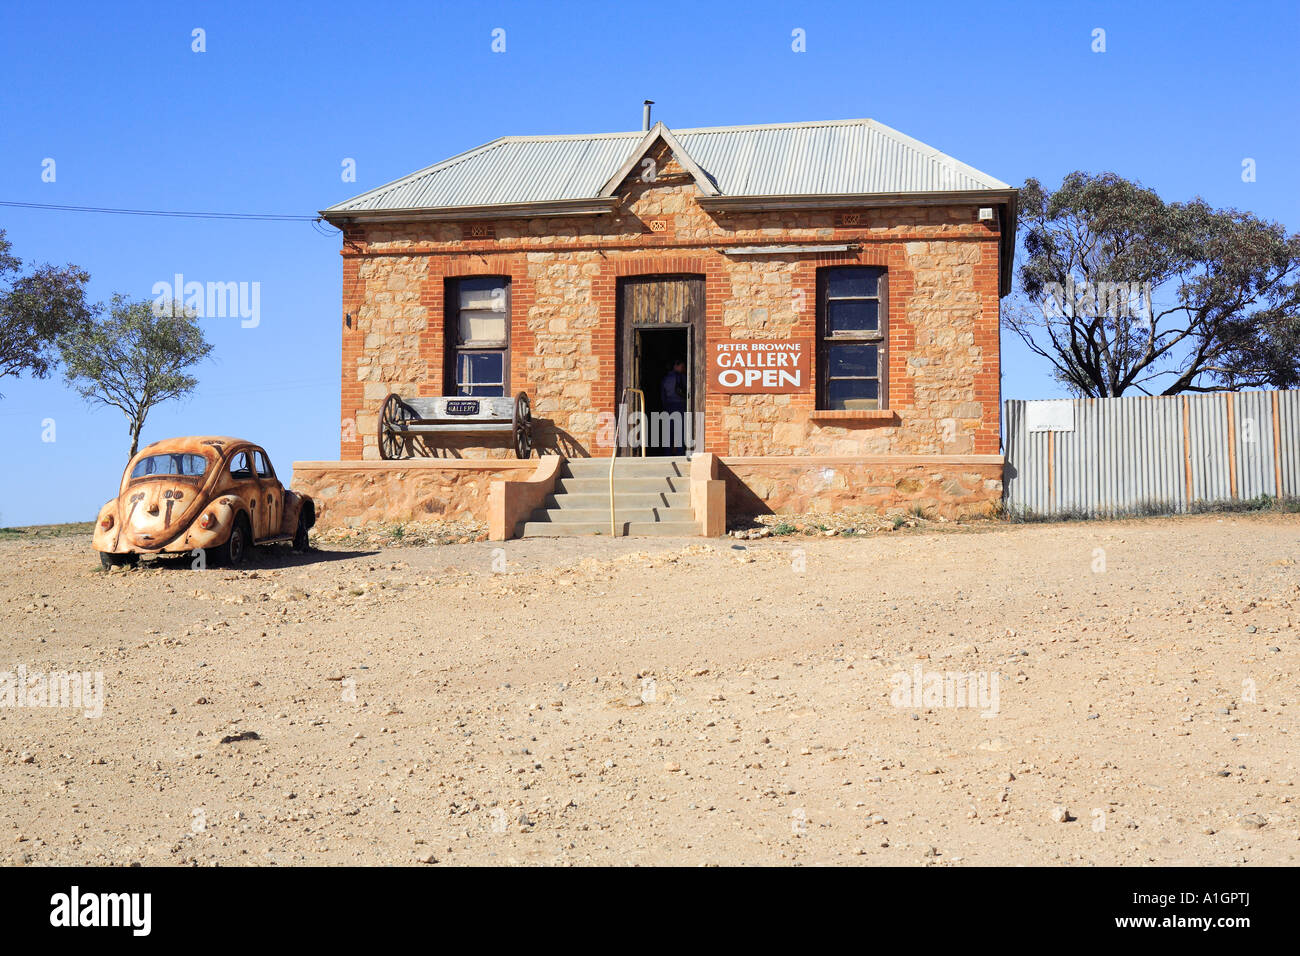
866, 416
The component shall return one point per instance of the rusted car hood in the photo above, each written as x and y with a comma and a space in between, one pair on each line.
156, 510
152, 511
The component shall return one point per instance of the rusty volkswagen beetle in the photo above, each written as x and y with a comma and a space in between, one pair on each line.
218, 496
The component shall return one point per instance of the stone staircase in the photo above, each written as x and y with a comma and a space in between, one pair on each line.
652, 496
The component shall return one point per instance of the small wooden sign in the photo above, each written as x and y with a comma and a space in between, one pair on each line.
759, 366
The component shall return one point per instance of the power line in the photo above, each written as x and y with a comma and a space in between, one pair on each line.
260, 217
302, 385
294, 386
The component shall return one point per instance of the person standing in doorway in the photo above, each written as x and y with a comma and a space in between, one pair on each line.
672, 395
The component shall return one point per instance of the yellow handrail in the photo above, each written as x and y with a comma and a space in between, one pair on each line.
640, 401
613, 528
613, 520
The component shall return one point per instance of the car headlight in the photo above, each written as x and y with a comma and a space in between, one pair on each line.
106, 522
207, 521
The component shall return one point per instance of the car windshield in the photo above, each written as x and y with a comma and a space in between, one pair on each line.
186, 465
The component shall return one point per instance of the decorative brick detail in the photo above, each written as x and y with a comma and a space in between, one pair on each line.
661, 227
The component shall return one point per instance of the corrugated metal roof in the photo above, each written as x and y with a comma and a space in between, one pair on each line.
839, 157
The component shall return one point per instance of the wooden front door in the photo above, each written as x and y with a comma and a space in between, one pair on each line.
649, 304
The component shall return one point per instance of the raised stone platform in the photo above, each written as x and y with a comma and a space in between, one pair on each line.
355, 493
950, 486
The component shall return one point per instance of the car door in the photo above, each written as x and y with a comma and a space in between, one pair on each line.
271, 503
244, 483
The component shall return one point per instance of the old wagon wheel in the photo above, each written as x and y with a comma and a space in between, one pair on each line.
392, 420
522, 422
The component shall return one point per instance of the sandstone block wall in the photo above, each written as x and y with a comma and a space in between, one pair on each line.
963, 486
943, 351
354, 494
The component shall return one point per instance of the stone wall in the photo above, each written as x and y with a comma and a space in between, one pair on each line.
352, 493
949, 486
942, 358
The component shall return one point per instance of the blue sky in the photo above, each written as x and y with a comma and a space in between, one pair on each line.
262, 121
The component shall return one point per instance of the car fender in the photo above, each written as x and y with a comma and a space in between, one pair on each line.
106, 539
294, 505
225, 509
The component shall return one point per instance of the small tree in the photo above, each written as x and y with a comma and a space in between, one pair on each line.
135, 358
35, 310
1121, 290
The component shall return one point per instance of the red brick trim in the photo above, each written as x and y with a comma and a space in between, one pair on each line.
638, 242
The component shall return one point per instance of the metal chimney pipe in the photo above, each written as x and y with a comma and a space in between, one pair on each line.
645, 115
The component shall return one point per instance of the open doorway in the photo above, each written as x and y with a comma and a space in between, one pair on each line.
661, 322
663, 372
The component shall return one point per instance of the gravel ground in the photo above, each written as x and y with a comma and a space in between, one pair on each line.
654, 701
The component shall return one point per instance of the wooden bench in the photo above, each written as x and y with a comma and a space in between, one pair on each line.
403, 419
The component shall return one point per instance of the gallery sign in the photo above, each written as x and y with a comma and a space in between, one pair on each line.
759, 366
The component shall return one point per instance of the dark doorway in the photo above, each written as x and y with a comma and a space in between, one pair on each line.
661, 320
663, 373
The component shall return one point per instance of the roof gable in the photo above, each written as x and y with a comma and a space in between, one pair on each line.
657, 133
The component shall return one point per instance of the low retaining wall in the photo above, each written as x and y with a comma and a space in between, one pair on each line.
355, 493
709, 494
945, 485
512, 500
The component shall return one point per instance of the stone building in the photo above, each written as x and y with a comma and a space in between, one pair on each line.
831, 289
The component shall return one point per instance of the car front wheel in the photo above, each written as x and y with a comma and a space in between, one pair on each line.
235, 549
107, 560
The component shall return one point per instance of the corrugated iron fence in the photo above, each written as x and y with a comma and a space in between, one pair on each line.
1106, 456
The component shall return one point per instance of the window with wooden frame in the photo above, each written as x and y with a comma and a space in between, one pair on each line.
851, 338
478, 336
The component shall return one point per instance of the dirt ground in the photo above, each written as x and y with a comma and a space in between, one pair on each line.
652, 701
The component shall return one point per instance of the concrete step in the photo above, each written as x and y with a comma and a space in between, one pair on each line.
622, 484
549, 529
631, 467
652, 497
622, 500
596, 515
